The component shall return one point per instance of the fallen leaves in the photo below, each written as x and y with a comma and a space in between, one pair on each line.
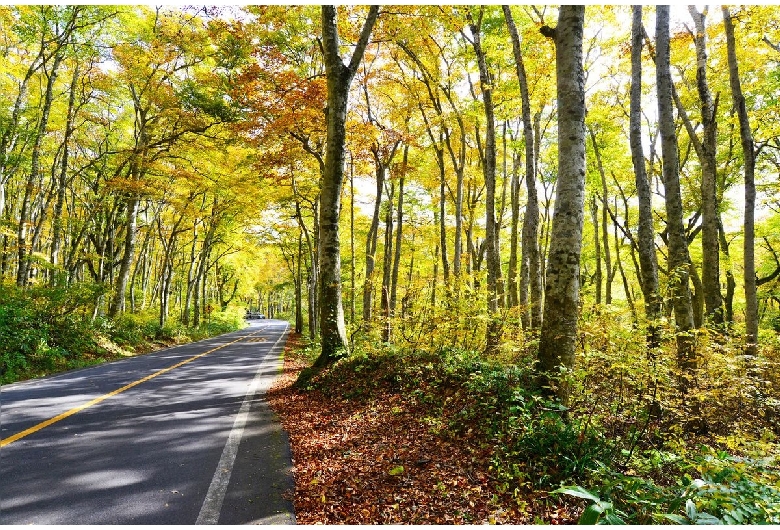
377, 461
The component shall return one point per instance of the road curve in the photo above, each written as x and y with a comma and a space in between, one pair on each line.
180, 436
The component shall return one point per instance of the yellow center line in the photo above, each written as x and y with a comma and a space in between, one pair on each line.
71, 412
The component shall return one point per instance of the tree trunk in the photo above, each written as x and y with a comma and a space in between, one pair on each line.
513, 298
299, 287
185, 314
530, 237
558, 338
387, 263
746, 136
371, 242
710, 264
648, 261
494, 299
679, 261
398, 232
25, 216
610, 274
599, 278
339, 76
62, 181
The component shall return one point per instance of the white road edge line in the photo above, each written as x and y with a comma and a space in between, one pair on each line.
212, 504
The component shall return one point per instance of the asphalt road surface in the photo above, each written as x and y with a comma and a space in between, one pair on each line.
179, 436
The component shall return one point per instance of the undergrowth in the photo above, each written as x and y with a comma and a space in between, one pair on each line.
47, 330
630, 448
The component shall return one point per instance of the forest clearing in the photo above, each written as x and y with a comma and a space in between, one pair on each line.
529, 253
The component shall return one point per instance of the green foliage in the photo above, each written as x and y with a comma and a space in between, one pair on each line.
45, 330
730, 490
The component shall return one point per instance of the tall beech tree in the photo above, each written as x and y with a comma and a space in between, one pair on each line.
558, 339
679, 260
706, 151
648, 261
339, 77
530, 269
749, 156
494, 300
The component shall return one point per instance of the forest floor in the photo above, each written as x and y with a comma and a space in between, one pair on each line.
379, 460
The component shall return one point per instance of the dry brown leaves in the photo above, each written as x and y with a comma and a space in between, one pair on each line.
377, 462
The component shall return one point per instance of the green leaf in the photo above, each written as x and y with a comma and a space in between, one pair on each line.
593, 512
611, 518
706, 518
397, 470
577, 491
690, 509
677, 519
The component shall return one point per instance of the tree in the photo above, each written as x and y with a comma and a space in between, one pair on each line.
489, 172
749, 155
706, 150
558, 339
648, 261
339, 78
530, 267
679, 260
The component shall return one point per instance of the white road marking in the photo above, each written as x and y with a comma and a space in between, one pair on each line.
212, 504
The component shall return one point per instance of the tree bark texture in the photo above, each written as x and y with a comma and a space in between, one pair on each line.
558, 338
339, 77
530, 259
489, 172
679, 260
710, 263
648, 261
748, 150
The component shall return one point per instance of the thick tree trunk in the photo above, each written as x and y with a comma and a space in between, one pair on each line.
558, 340
648, 261
679, 261
131, 235
746, 136
710, 263
339, 76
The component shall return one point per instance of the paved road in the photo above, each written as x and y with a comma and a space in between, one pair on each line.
180, 436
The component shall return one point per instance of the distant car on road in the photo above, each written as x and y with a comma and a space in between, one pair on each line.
253, 314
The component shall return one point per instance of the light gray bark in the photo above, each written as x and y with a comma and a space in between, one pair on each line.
530, 260
339, 77
748, 150
648, 261
494, 298
679, 260
710, 265
558, 339
398, 231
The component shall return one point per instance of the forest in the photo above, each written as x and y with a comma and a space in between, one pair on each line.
545, 238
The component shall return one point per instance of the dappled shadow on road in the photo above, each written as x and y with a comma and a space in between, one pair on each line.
146, 456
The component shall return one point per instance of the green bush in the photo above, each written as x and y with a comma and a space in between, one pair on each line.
44, 329
730, 490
